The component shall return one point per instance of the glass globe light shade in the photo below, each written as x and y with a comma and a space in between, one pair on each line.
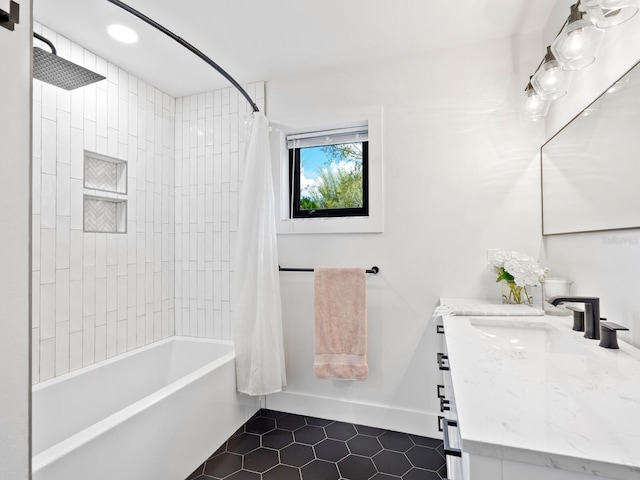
577, 45
533, 107
550, 80
610, 13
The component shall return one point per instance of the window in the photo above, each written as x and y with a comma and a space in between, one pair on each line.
360, 126
329, 173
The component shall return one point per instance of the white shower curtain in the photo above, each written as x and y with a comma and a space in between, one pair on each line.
257, 312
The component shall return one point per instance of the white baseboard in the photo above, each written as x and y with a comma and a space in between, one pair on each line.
381, 416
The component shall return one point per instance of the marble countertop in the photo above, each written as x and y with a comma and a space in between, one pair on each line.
577, 410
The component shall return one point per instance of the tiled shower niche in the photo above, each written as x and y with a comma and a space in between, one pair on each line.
104, 173
105, 215
105, 194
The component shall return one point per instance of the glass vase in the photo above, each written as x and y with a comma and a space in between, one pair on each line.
515, 294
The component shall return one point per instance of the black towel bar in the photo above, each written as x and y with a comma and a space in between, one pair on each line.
373, 270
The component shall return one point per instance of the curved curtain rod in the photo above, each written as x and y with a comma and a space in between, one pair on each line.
189, 47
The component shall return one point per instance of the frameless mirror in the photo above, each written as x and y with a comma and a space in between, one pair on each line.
591, 168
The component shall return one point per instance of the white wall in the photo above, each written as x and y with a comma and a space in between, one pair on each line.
210, 135
603, 264
15, 161
460, 175
96, 295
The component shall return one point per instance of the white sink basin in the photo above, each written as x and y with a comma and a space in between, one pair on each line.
525, 336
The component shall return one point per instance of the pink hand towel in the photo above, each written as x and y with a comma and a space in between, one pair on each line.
340, 317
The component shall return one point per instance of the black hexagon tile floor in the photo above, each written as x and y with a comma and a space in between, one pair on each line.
282, 446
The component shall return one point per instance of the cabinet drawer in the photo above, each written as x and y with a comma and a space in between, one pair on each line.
457, 460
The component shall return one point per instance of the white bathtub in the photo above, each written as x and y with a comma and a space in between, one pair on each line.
154, 413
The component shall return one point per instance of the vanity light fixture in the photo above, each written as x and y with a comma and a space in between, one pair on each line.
550, 80
122, 33
534, 106
574, 47
579, 41
609, 13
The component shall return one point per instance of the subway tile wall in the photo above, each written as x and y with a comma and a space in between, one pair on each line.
211, 131
96, 295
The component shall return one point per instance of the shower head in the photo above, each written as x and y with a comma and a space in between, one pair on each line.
59, 72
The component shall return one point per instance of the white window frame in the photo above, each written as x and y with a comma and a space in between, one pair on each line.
374, 222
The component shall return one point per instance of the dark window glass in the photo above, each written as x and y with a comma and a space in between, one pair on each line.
330, 180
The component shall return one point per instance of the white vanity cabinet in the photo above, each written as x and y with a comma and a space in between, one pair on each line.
448, 419
530, 414
460, 464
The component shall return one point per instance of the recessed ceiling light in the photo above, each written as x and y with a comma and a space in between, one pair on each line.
122, 34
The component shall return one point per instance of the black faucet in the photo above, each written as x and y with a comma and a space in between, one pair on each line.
591, 313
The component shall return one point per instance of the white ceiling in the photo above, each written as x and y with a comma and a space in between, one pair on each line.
266, 39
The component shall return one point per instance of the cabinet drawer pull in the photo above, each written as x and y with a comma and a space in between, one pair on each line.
444, 405
454, 452
440, 391
440, 329
443, 361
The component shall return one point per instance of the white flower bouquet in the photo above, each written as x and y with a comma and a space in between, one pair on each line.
518, 270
